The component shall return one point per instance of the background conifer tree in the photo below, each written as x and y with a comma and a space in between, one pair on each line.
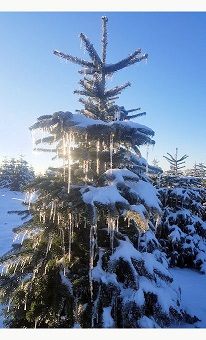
15, 173
182, 230
176, 164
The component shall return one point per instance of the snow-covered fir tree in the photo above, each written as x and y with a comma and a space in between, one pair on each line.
176, 164
199, 170
15, 173
182, 230
89, 257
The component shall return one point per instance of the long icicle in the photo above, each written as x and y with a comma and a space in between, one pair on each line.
98, 148
64, 155
69, 159
70, 235
91, 262
111, 147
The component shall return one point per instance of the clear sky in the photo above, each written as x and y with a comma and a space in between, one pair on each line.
170, 86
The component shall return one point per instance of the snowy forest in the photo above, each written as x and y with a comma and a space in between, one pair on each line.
101, 234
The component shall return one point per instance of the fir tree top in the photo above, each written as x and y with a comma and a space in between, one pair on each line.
100, 101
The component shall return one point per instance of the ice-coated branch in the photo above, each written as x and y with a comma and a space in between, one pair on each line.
132, 110
116, 90
131, 59
137, 115
73, 59
90, 49
85, 93
104, 38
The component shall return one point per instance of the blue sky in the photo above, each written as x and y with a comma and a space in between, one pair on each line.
170, 87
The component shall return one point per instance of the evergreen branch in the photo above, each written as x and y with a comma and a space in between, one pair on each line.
179, 163
104, 38
90, 49
183, 157
172, 158
90, 85
132, 110
169, 160
48, 140
75, 60
138, 59
87, 85
137, 115
131, 59
85, 93
180, 167
45, 150
88, 104
116, 90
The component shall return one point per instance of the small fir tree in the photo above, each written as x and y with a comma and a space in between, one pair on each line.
90, 257
182, 230
15, 173
176, 164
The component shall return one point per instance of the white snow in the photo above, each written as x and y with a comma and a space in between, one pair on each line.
104, 195
9, 201
107, 318
192, 283
83, 122
148, 193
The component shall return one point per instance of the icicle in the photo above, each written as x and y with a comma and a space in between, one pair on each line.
42, 134
45, 269
92, 243
147, 158
70, 235
111, 230
31, 196
85, 169
15, 268
8, 308
117, 225
49, 244
22, 240
35, 322
76, 312
80, 42
63, 249
25, 302
23, 265
53, 210
64, 156
33, 140
58, 218
111, 146
42, 216
157, 221
26, 197
73, 141
2, 270
98, 162
69, 160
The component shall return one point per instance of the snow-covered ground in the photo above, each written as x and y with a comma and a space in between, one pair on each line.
9, 201
192, 283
